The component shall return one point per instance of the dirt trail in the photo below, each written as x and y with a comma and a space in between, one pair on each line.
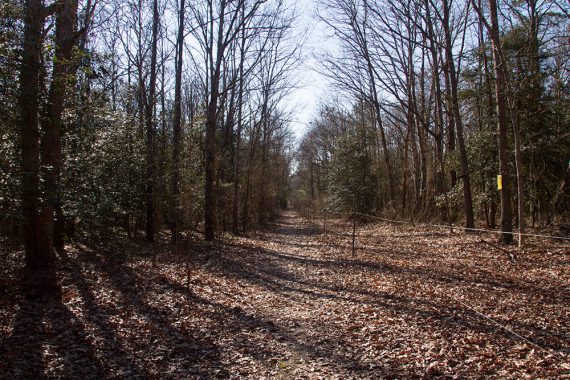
398, 309
291, 303
308, 303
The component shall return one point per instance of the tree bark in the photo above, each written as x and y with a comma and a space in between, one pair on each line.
501, 93
177, 127
53, 125
490, 114
36, 255
465, 176
235, 197
377, 110
150, 129
211, 118
438, 117
520, 177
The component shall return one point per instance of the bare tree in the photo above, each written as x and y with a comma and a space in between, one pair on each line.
220, 25
457, 118
177, 124
240, 101
501, 95
149, 102
351, 24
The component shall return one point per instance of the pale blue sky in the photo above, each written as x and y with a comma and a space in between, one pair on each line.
305, 100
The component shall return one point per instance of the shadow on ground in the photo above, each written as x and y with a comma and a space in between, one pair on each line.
119, 317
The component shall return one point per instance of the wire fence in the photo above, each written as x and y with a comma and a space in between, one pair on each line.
563, 238
436, 225
452, 297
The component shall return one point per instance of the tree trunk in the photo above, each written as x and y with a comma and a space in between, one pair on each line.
150, 129
53, 124
490, 115
520, 179
451, 134
363, 42
465, 176
211, 118
235, 197
422, 143
438, 119
177, 127
405, 175
500, 92
254, 140
377, 109
36, 254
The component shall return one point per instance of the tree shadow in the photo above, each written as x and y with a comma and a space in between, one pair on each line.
47, 340
270, 273
189, 351
236, 320
133, 334
101, 339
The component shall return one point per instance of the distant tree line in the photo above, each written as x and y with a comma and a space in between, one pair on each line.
435, 100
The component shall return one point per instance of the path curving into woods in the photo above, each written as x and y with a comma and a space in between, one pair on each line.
292, 303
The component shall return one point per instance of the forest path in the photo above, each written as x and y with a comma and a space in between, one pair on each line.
407, 305
299, 280
292, 303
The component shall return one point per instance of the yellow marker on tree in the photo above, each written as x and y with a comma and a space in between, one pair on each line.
500, 182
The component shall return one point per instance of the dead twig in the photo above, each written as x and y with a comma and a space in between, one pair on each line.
510, 255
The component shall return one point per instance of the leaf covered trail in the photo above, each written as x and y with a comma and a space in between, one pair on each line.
293, 303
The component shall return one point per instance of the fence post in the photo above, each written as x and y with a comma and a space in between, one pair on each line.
187, 247
312, 219
325, 222
353, 233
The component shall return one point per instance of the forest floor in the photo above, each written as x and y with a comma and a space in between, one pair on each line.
293, 303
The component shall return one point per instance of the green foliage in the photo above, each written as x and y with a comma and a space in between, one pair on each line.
353, 182
103, 172
10, 31
453, 197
